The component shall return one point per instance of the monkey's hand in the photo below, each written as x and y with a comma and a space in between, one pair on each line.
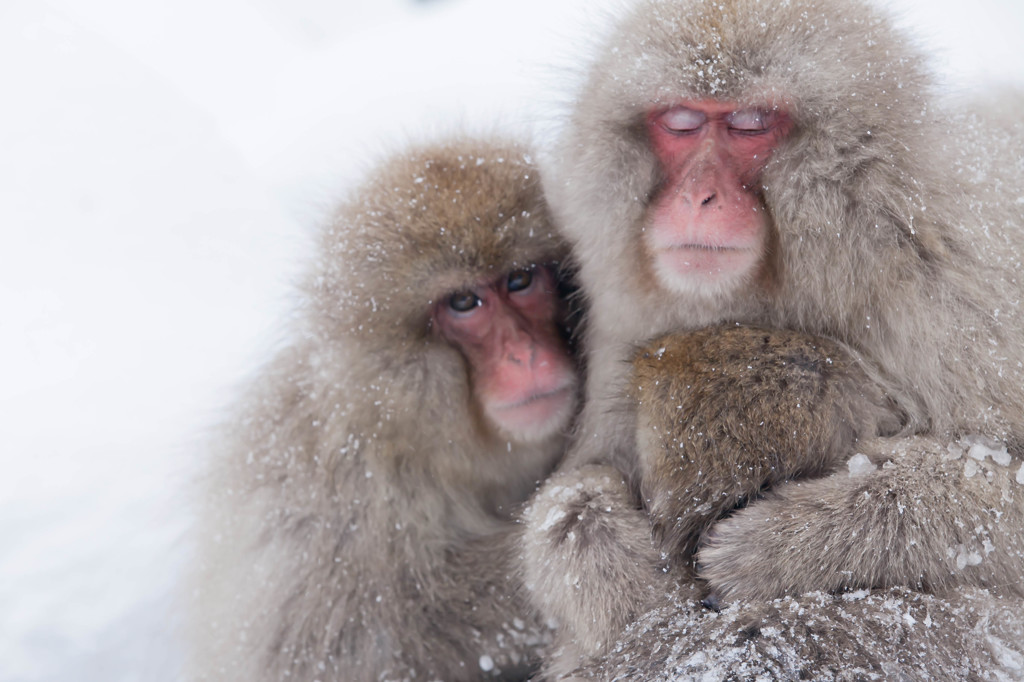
932, 517
588, 556
725, 412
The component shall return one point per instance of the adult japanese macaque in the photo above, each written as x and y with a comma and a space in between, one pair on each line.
359, 515
787, 165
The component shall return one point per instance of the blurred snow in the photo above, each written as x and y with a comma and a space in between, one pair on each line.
160, 166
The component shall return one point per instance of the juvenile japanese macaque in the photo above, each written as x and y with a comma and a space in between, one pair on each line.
726, 411
787, 165
359, 515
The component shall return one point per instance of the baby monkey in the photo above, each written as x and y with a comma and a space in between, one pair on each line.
726, 412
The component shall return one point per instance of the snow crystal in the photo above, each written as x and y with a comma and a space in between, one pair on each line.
1020, 475
486, 663
860, 465
1008, 658
980, 451
856, 595
970, 468
554, 516
966, 557
698, 658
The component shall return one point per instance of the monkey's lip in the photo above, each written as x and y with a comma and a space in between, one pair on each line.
534, 398
538, 415
707, 259
670, 248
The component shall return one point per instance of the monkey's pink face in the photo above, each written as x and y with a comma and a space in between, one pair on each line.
707, 229
508, 331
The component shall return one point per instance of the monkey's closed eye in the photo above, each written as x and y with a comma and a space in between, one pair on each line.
520, 280
463, 301
750, 121
683, 120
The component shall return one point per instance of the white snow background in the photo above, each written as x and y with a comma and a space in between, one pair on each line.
161, 166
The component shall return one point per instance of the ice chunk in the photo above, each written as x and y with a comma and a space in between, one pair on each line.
980, 451
860, 465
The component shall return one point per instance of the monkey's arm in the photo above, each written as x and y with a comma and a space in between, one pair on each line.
724, 412
501, 633
589, 559
925, 519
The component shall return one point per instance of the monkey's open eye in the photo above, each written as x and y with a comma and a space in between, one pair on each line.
519, 280
463, 301
749, 121
683, 120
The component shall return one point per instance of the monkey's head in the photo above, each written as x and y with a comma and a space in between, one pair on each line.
446, 267
724, 147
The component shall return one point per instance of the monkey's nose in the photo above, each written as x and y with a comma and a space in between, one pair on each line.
521, 353
708, 198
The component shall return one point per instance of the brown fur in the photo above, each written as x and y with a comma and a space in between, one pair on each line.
893, 634
589, 548
726, 411
358, 523
933, 517
896, 232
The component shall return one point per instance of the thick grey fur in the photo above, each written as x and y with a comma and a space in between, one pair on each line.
358, 517
898, 231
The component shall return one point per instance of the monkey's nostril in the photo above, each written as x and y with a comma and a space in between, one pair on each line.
708, 199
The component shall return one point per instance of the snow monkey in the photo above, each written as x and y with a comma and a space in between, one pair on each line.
787, 165
360, 513
728, 410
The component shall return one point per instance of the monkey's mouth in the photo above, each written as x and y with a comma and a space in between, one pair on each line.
537, 397
703, 247
698, 250
538, 415
705, 261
